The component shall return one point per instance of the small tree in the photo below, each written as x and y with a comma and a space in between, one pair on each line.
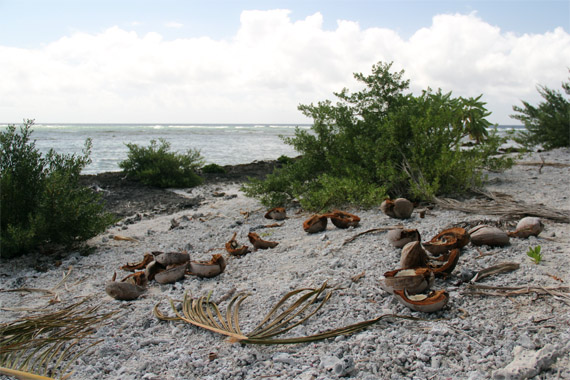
41, 200
156, 166
382, 142
548, 123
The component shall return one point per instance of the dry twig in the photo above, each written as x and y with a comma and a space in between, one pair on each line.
380, 229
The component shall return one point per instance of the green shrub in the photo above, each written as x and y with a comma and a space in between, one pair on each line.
41, 200
548, 123
156, 166
213, 168
284, 160
381, 142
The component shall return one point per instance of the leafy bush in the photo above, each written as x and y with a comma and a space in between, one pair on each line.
283, 159
156, 166
41, 200
381, 142
548, 123
213, 168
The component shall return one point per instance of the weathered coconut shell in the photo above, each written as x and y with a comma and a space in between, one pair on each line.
172, 258
171, 275
400, 208
429, 303
123, 291
315, 223
152, 269
234, 249
528, 226
413, 256
137, 278
413, 280
277, 213
208, 269
343, 219
400, 236
446, 240
447, 266
488, 235
131, 267
259, 243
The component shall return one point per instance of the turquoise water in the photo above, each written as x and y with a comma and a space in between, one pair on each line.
223, 144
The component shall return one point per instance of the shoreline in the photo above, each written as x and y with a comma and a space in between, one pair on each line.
474, 337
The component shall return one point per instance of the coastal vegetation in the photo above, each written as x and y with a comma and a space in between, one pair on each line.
156, 165
381, 142
41, 200
548, 123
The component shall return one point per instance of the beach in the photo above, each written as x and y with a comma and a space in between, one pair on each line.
479, 334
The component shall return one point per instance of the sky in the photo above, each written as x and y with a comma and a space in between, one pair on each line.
176, 61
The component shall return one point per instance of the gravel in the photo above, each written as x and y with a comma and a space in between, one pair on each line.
473, 337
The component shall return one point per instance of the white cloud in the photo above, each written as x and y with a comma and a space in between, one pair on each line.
174, 25
270, 66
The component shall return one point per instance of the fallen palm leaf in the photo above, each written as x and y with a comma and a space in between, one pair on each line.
124, 238
560, 293
495, 269
48, 343
504, 206
203, 313
50, 292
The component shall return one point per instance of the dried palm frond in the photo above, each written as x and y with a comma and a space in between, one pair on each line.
498, 204
284, 316
47, 344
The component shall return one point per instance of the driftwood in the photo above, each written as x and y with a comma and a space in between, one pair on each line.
505, 206
561, 293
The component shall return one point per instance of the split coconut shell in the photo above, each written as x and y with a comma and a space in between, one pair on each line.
444, 266
400, 208
447, 240
315, 223
234, 248
171, 274
208, 269
259, 243
413, 280
277, 213
400, 236
413, 256
427, 303
131, 267
172, 258
343, 219
488, 235
123, 291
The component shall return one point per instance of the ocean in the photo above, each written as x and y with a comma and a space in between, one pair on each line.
222, 144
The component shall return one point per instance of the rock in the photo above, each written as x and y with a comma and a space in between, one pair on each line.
283, 357
528, 363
